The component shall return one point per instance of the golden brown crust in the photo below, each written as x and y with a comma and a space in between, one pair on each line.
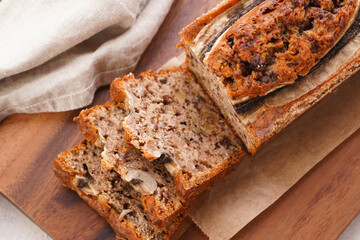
190, 191
274, 120
190, 32
122, 228
160, 218
117, 91
275, 43
87, 129
86, 126
127, 137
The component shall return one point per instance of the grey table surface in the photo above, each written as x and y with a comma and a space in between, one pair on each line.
15, 225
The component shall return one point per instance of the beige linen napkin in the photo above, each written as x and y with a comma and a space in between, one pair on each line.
55, 54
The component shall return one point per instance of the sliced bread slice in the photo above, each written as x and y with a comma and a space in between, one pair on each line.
103, 125
174, 122
114, 199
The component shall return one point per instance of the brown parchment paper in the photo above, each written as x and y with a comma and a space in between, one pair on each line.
258, 182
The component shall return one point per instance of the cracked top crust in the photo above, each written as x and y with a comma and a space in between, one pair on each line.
276, 42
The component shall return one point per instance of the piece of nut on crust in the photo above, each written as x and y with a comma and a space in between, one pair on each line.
104, 191
103, 125
173, 122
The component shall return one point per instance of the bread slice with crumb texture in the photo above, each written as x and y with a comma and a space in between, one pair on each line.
103, 125
173, 122
104, 191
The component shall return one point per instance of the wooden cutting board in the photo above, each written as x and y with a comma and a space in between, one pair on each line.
319, 206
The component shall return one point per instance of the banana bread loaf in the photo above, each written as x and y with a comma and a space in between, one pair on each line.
103, 125
114, 199
173, 122
242, 51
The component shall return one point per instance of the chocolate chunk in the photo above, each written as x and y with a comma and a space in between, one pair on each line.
164, 158
225, 142
268, 10
167, 100
82, 184
230, 42
246, 68
314, 46
229, 80
135, 181
163, 80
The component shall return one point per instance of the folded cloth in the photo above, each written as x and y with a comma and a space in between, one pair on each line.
55, 54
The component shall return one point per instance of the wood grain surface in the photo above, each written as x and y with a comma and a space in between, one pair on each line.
318, 207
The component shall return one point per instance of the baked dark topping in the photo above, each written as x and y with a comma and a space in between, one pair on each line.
276, 42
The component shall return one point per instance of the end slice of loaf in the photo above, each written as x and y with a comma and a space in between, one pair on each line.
103, 125
114, 199
175, 123
241, 53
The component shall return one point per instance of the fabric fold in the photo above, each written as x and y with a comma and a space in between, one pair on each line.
85, 62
